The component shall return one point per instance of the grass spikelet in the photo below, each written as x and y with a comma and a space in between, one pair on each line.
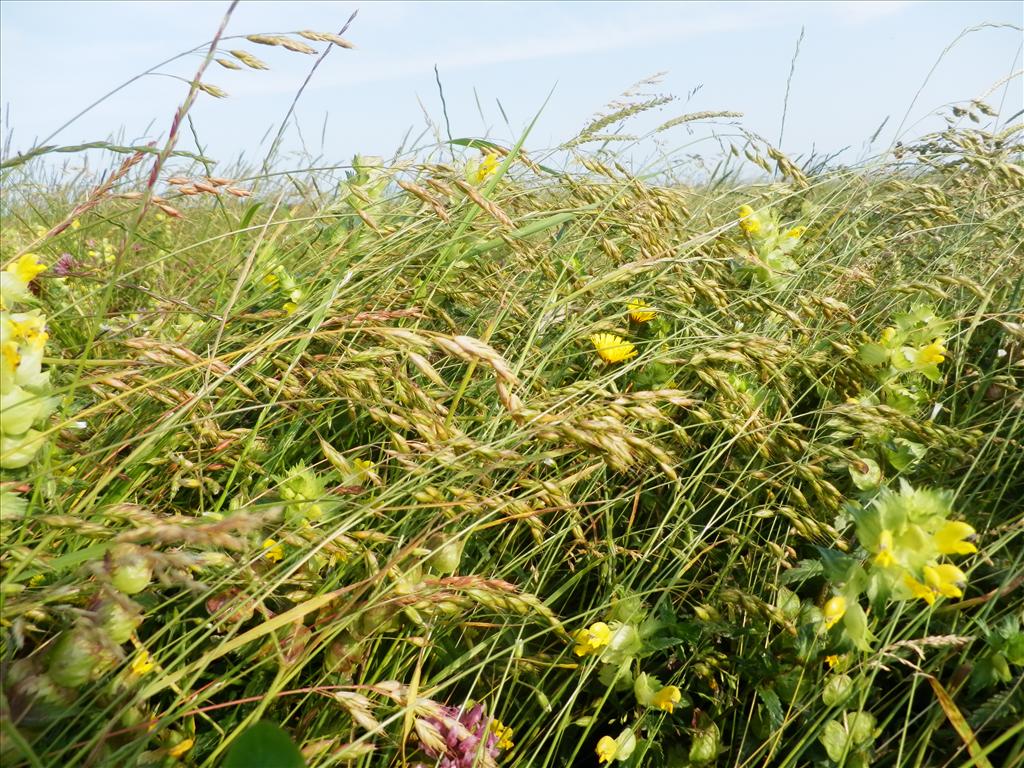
248, 59
327, 37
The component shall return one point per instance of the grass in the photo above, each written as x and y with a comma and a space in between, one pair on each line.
332, 448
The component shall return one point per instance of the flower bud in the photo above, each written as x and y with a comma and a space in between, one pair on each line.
74, 657
118, 619
130, 571
447, 553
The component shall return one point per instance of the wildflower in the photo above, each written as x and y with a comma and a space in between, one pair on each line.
464, 736
946, 579
796, 233
917, 589
619, 748
834, 611
592, 639
612, 348
181, 748
667, 698
142, 664
949, 539
639, 311
833, 661
65, 265
26, 268
17, 275
931, 354
749, 222
884, 557
486, 168
503, 734
76, 224
274, 552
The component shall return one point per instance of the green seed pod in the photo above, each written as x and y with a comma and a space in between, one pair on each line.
130, 571
118, 619
74, 658
447, 553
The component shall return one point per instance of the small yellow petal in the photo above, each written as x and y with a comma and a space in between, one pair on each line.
274, 551
667, 698
950, 538
607, 748
639, 311
181, 748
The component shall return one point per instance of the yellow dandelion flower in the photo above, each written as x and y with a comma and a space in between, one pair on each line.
834, 610
274, 552
612, 348
949, 539
503, 734
142, 664
667, 698
25, 268
933, 353
946, 579
181, 748
749, 222
592, 639
639, 311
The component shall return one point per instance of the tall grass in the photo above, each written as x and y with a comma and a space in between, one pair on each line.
333, 449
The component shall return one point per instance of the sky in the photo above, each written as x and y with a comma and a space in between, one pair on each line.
500, 64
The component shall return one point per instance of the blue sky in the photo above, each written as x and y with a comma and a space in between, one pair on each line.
859, 63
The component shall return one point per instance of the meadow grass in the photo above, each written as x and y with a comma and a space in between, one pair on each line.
347, 450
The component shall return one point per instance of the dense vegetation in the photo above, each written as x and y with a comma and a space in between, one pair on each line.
474, 461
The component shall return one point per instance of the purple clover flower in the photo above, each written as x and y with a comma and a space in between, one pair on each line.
469, 739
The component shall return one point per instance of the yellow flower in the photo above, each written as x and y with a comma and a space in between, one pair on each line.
796, 233
884, 557
887, 335
620, 748
639, 311
503, 733
749, 222
290, 307
945, 579
142, 664
607, 748
949, 539
931, 353
667, 698
612, 348
488, 165
834, 611
832, 660
274, 551
270, 280
26, 267
75, 224
181, 748
592, 639
917, 589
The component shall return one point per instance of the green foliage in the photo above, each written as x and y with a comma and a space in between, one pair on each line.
339, 452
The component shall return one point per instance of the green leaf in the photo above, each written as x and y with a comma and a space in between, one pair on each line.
772, 705
866, 474
264, 744
873, 354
